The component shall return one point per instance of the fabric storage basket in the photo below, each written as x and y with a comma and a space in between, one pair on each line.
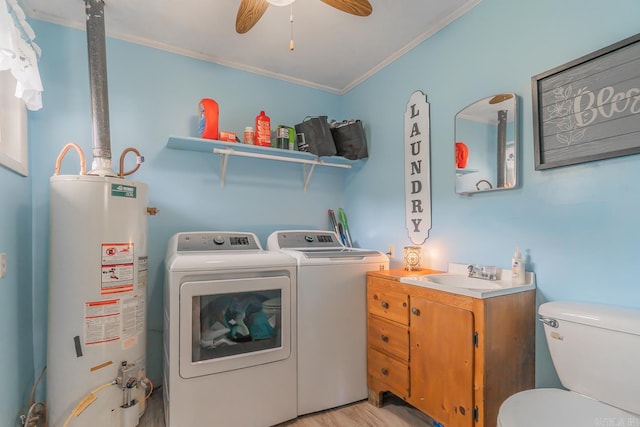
317, 135
349, 139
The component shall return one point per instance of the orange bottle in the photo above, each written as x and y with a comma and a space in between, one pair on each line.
209, 112
263, 130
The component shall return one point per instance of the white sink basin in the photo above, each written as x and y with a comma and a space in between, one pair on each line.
456, 281
459, 281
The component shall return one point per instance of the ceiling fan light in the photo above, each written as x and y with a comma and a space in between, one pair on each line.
280, 2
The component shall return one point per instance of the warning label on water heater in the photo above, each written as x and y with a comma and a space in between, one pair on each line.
102, 321
133, 321
117, 268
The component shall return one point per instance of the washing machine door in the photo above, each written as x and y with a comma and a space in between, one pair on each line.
230, 324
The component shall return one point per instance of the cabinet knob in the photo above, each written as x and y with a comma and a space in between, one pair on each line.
384, 304
384, 371
415, 311
384, 338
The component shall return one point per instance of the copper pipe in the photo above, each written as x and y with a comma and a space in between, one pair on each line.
139, 160
83, 165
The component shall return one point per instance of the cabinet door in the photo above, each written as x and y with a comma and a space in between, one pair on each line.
441, 361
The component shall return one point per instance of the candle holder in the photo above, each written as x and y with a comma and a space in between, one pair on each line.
412, 258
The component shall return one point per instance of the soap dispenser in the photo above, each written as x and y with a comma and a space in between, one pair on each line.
517, 269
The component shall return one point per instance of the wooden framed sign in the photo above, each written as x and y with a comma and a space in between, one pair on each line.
589, 108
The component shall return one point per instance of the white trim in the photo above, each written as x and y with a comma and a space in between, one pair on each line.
13, 127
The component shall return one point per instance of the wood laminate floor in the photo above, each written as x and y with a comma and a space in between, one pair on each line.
394, 413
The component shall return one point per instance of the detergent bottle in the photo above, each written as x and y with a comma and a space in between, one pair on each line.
263, 130
208, 126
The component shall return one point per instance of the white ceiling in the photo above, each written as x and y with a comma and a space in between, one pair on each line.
334, 51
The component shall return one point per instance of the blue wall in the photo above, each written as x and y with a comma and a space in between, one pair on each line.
577, 225
16, 349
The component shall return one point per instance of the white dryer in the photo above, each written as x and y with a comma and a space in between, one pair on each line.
332, 316
229, 332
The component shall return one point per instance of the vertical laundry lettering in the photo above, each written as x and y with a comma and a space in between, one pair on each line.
417, 168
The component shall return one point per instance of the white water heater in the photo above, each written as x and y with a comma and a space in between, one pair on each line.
97, 300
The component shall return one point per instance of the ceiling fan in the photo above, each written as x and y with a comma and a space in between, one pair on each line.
250, 11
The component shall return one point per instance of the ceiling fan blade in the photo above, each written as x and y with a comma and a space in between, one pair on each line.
249, 13
354, 7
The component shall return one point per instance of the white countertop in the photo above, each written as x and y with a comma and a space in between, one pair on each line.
456, 281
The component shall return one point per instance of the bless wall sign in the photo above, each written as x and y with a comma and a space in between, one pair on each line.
589, 108
417, 168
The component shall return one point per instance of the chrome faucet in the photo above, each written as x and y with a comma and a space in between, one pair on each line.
486, 272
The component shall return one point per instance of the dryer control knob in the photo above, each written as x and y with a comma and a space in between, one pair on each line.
218, 240
308, 238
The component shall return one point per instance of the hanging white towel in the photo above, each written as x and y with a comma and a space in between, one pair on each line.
18, 54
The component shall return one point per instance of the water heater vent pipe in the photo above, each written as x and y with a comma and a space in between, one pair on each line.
96, 45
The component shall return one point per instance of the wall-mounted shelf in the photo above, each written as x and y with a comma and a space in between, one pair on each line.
461, 172
225, 149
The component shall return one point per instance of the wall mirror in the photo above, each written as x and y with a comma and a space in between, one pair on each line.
486, 157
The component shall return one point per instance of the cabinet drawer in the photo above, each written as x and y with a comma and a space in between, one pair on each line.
387, 303
388, 336
388, 371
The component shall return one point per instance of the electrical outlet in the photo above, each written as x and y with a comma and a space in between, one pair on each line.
3, 264
390, 250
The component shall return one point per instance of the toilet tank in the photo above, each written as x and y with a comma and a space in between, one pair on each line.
595, 350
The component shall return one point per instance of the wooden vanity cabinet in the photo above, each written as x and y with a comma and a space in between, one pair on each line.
454, 357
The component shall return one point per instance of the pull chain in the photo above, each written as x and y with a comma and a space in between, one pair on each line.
291, 44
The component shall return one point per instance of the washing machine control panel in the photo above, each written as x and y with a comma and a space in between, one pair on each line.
308, 239
217, 241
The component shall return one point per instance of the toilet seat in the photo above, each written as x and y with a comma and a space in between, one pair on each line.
555, 407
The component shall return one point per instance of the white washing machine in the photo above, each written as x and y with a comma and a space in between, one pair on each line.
332, 316
229, 332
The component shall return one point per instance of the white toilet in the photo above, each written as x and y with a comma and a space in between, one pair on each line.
596, 352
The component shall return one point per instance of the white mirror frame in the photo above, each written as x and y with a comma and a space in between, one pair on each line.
13, 127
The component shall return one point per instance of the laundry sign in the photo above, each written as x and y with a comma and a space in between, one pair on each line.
417, 168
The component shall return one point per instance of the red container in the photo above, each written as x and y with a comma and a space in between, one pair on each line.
227, 136
462, 155
263, 130
209, 112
